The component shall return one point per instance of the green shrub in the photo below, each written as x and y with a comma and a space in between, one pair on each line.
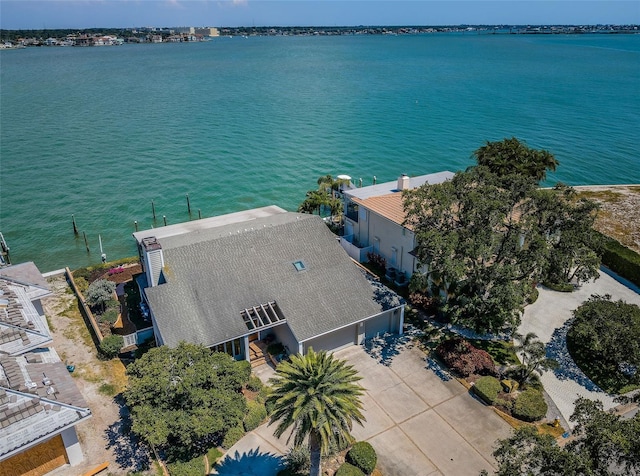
560, 287
621, 260
504, 401
533, 296
81, 283
100, 293
213, 455
254, 384
233, 436
194, 467
298, 459
487, 388
110, 316
530, 405
363, 456
256, 414
111, 345
349, 470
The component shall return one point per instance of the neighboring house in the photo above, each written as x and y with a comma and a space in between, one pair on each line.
230, 280
39, 401
374, 219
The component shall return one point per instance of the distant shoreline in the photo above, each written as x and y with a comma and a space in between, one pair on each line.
65, 37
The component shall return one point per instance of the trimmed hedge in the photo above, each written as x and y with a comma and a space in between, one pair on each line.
363, 456
533, 296
621, 260
349, 470
530, 405
256, 413
233, 436
487, 388
559, 287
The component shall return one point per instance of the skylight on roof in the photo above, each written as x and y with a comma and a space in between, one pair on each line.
299, 265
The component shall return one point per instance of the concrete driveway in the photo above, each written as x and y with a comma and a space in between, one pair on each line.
547, 317
418, 422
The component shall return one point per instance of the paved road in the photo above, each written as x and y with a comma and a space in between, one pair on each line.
546, 317
418, 422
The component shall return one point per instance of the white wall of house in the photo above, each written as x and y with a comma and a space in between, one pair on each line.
72, 446
387, 238
336, 340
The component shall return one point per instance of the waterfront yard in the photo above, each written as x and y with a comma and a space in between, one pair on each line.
103, 437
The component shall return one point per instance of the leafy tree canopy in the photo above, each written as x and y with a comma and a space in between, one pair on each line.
100, 292
469, 233
604, 340
181, 397
514, 157
484, 239
605, 444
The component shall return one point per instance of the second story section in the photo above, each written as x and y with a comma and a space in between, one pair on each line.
374, 219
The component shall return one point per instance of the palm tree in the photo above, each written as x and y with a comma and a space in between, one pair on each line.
533, 356
318, 397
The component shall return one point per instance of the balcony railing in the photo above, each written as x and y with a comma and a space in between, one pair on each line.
355, 249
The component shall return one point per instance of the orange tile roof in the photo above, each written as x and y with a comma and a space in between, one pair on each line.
388, 206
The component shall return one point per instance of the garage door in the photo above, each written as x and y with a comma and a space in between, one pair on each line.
334, 341
377, 326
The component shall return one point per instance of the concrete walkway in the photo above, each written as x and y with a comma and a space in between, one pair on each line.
547, 317
419, 420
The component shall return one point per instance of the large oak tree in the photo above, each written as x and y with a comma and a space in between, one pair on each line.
604, 444
184, 397
486, 236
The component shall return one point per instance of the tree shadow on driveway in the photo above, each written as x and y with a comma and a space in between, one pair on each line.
567, 369
387, 346
130, 452
251, 463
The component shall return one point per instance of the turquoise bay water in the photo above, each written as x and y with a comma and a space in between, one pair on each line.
240, 123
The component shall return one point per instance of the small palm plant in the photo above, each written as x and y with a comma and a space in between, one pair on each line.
319, 398
533, 355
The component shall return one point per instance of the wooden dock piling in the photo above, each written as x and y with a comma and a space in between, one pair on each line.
188, 205
75, 228
86, 243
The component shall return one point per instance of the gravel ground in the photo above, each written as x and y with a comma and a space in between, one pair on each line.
101, 437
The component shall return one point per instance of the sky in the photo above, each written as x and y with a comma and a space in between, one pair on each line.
43, 14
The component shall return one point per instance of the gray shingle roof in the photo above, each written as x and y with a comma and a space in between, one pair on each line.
209, 282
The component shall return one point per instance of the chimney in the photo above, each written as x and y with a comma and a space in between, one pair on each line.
403, 182
153, 260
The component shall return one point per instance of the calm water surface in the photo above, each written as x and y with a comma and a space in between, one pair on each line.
239, 123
